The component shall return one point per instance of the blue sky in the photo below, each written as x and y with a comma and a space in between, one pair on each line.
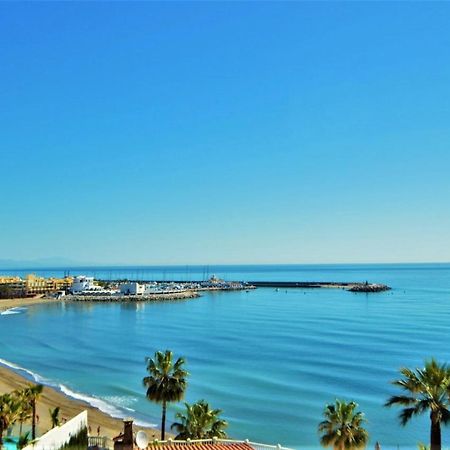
152, 133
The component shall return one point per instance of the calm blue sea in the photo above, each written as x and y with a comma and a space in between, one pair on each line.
270, 359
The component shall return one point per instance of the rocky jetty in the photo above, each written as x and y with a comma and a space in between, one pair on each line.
369, 287
163, 296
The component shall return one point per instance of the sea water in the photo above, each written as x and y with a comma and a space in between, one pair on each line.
270, 359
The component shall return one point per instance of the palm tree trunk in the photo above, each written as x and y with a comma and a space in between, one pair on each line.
1, 436
20, 428
435, 434
163, 421
33, 425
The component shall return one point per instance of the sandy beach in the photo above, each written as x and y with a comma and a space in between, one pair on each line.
6, 303
109, 426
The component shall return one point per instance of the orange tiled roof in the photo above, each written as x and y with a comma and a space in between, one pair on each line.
200, 446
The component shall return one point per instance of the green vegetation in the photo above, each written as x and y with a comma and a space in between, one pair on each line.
421, 446
9, 412
78, 441
25, 409
32, 394
200, 422
426, 390
54, 416
342, 428
8, 292
166, 382
23, 441
19, 406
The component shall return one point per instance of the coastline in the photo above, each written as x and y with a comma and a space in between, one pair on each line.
8, 303
69, 407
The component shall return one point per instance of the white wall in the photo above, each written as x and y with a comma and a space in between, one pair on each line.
58, 436
132, 288
82, 283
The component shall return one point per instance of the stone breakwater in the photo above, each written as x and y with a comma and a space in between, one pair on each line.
163, 296
366, 287
348, 286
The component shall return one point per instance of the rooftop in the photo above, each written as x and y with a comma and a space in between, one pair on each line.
174, 445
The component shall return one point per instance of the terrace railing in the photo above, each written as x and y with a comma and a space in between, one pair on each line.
97, 441
255, 445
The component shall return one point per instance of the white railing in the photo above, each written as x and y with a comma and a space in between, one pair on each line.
97, 441
255, 445
59, 436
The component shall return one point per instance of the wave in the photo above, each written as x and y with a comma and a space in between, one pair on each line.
35, 376
102, 405
15, 310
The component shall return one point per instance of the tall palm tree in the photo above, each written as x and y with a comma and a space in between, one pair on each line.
200, 422
342, 428
426, 390
54, 416
32, 393
25, 408
166, 382
9, 412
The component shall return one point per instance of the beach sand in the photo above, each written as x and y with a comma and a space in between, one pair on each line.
6, 303
109, 426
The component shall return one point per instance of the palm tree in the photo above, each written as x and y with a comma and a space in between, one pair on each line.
166, 382
200, 422
32, 394
54, 416
9, 412
25, 408
23, 441
426, 390
422, 446
342, 428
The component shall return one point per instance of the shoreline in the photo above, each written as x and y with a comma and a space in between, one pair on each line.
20, 302
8, 303
51, 397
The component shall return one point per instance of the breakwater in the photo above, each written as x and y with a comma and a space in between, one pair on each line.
177, 295
234, 285
350, 286
237, 285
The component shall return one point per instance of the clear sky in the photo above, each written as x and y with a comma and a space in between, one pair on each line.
183, 133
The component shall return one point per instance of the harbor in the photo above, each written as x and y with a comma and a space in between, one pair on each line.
87, 288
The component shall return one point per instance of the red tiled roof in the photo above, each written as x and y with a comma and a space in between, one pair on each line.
200, 446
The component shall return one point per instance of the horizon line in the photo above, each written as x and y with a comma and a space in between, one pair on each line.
246, 264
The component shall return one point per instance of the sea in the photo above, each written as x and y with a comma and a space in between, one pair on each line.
271, 359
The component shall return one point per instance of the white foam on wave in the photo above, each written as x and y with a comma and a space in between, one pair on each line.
122, 401
96, 402
15, 310
36, 377
8, 312
93, 401
103, 406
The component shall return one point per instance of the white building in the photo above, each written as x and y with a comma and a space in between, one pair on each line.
82, 283
132, 288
